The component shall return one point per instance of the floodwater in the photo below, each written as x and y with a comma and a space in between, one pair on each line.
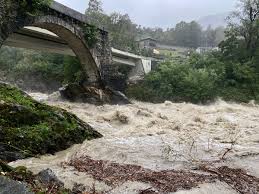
160, 137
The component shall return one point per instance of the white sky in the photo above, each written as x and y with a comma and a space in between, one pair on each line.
161, 13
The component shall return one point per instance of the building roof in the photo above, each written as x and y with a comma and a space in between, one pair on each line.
147, 38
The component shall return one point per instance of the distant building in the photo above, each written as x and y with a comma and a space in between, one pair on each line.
203, 50
147, 43
153, 44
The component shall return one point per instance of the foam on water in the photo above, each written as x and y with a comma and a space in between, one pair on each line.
161, 136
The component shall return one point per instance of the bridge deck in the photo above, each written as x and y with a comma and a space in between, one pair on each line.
44, 40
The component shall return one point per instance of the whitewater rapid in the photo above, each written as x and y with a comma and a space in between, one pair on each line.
160, 137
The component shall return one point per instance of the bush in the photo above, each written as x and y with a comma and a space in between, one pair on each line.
73, 72
199, 80
176, 82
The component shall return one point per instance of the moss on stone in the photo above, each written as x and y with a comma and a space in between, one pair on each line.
30, 128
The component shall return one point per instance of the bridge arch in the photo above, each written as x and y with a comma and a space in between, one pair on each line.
67, 28
73, 36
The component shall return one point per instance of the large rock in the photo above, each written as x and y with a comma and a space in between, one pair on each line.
18, 180
8, 186
92, 95
6, 155
48, 177
29, 128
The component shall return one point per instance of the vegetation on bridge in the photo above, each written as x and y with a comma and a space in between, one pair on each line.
90, 34
32, 7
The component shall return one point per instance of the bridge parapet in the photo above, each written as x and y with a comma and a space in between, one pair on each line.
62, 9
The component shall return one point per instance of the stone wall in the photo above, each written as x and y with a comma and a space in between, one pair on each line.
8, 19
102, 51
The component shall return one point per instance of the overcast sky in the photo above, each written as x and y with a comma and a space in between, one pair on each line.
160, 13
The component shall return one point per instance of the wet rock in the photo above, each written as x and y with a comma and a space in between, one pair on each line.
78, 188
148, 191
134, 80
143, 113
4, 167
161, 116
29, 128
8, 186
10, 156
117, 97
168, 103
124, 119
48, 177
92, 95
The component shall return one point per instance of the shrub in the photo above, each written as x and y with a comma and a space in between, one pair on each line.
176, 82
200, 79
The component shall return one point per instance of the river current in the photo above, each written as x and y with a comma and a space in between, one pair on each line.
159, 137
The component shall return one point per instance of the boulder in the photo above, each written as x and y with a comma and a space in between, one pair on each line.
92, 95
20, 179
8, 186
48, 177
78, 188
29, 128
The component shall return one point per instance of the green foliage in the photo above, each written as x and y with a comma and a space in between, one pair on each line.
9, 58
47, 70
188, 34
32, 7
122, 32
72, 71
90, 34
20, 64
35, 128
176, 82
200, 79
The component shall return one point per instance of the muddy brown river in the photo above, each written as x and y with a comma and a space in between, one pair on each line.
167, 136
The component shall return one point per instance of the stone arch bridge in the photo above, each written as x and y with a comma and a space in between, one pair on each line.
97, 60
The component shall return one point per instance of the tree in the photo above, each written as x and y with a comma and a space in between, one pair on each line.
244, 25
188, 34
209, 37
220, 35
122, 31
95, 6
195, 34
95, 14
